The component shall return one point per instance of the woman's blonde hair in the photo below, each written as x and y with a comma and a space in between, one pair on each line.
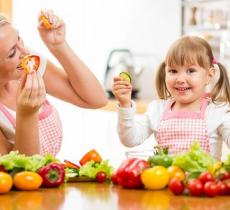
4, 19
190, 50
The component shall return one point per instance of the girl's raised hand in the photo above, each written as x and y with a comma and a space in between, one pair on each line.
122, 91
31, 93
53, 35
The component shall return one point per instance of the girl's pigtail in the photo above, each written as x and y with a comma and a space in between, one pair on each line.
221, 90
160, 82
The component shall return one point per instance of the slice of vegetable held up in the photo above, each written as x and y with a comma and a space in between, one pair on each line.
45, 22
125, 76
30, 63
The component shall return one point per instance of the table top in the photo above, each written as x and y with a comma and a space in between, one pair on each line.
141, 106
93, 196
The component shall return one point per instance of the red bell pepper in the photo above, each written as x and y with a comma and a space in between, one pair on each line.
52, 174
69, 164
30, 62
129, 173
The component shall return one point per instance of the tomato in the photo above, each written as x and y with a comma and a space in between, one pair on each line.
91, 155
6, 182
223, 188
176, 186
114, 178
211, 189
176, 172
225, 175
101, 176
155, 178
27, 180
69, 164
206, 177
195, 187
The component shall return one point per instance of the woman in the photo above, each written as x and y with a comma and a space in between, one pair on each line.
28, 122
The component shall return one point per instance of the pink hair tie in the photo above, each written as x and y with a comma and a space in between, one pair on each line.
214, 61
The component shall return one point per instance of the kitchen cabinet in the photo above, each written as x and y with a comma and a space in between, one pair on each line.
211, 20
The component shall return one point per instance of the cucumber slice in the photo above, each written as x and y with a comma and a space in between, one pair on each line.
125, 76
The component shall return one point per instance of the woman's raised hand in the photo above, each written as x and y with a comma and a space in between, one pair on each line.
54, 35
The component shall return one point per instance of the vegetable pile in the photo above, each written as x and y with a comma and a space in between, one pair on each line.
193, 172
29, 172
91, 168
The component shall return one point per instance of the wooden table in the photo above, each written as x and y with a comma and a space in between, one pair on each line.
94, 196
141, 106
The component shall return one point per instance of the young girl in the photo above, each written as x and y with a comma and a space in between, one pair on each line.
186, 111
28, 122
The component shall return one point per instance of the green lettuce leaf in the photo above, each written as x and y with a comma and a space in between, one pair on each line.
14, 160
195, 160
90, 169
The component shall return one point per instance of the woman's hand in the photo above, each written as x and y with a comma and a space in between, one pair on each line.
31, 94
122, 91
55, 36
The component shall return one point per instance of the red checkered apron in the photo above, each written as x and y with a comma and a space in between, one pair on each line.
179, 129
50, 128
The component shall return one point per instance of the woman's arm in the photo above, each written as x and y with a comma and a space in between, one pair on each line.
79, 84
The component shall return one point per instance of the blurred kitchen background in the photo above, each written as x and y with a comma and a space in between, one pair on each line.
117, 35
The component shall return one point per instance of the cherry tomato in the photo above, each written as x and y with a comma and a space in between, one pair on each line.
101, 176
114, 178
223, 188
227, 182
27, 180
225, 175
91, 155
195, 187
6, 182
176, 186
211, 189
2, 168
206, 177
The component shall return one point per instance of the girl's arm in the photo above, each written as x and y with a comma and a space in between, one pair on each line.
132, 130
75, 83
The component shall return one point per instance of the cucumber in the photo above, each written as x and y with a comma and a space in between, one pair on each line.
125, 76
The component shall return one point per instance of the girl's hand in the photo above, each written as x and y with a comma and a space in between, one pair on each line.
55, 36
31, 93
122, 91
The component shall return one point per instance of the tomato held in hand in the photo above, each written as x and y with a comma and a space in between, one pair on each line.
91, 155
195, 187
176, 186
101, 176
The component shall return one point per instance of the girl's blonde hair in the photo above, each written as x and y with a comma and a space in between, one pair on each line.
190, 50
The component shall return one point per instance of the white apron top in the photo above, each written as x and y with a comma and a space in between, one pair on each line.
50, 128
179, 129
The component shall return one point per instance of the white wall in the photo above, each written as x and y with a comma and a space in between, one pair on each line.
94, 28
